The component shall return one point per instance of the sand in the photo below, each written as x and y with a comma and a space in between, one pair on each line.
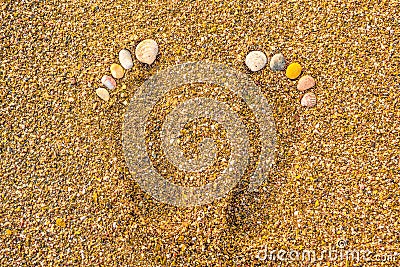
67, 196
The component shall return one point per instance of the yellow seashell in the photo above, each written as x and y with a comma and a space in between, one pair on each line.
293, 71
117, 71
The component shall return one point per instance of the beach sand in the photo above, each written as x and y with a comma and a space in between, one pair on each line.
67, 197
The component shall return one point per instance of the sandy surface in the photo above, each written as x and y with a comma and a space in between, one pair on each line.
67, 197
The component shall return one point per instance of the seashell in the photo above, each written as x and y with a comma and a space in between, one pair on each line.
108, 82
117, 71
103, 94
146, 51
125, 58
293, 71
305, 83
277, 62
309, 100
256, 60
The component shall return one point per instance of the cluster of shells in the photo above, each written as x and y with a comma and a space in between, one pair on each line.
257, 60
145, 52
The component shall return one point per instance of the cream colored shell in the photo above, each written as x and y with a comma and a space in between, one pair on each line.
146, 51
103, 94
125, 58
256, 60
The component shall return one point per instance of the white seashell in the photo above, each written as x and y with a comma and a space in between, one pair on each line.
146, 51
256, 60
108, 82
309, 100
125, 58
103, 94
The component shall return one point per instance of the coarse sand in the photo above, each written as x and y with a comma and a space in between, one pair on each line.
67, 197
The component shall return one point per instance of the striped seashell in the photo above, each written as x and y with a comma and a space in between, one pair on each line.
146, 51
309, 100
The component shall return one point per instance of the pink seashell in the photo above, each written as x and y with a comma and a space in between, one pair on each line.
305, 83
108, 82
309, 100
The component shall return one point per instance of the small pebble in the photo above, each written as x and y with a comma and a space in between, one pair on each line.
277, 62
125, 58
293, 71
256, 60
108, 82
103, 94
306, 82
60, 222
117, 71
309, 100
